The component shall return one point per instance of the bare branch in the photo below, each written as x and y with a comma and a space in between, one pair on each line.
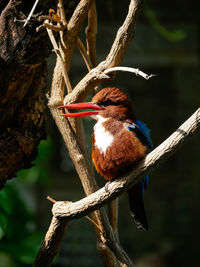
124, 35
56, 28
91, 32
78, 16
61, 11
113, 214
31, 12
51, 243
151, 162
132, 70
84, 54
95, 224
59, 55
51, 199
59, 18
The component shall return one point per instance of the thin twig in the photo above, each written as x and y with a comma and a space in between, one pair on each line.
56, 28
95, 224
31, 13
58, 53
50, 27
46, 18
51, 199
91, 32
113, 214
84, 54
59, 18
137, 72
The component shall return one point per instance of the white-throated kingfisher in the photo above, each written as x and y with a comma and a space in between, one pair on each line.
119, 141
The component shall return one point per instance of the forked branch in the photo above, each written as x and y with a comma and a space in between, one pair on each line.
120, 44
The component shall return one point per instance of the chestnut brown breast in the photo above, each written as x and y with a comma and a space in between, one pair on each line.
115, 149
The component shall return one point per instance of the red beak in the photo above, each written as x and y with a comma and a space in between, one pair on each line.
85, 105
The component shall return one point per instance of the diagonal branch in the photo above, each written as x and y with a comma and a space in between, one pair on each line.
117, 187
76, 20
91, 32
124, 35
50, 246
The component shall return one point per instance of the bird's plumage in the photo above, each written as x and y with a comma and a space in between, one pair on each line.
125, 142
121, 153
119, 142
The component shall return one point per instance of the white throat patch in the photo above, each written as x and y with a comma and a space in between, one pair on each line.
103, 139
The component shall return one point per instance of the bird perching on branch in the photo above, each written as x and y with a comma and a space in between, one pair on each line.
119, 141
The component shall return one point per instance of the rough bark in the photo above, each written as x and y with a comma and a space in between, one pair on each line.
23, 54
22, 85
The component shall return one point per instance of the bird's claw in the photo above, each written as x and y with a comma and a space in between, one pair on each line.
106, 186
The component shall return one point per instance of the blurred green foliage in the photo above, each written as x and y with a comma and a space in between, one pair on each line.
40, 172
19, 238
174, 35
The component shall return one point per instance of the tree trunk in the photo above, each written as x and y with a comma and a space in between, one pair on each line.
23, 55
23, 73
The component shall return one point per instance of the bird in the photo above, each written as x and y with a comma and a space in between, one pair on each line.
120, 140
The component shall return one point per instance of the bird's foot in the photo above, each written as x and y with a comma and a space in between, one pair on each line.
106, 186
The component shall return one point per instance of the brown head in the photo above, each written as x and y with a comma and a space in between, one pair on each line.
116, 104
110, 102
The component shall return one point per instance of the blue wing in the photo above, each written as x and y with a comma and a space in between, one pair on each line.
146, 131
143, 133
136, 192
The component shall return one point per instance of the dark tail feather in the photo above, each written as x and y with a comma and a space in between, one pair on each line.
137, 207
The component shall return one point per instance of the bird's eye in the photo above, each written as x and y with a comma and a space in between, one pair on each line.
111, 103
108, 103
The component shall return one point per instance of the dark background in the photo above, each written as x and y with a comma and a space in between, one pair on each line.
166, 43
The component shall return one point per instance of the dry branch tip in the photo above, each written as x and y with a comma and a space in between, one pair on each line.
136, 71
51, 199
